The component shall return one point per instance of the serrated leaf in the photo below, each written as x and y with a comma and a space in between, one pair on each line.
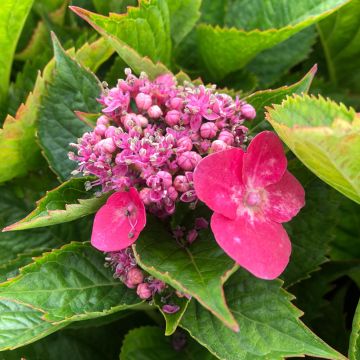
272, 63
325, 136
269, 324
12, 19
149, 343
150, 27
354, 347
67, 202
115, 6
21, 325
199, 270
340, 38
70, 88
262, 98
172, 320
183, 16
260, 27
70, 284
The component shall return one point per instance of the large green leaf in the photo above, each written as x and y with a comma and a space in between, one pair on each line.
21, 325
68, 202
262, 98
260, 27
183, 16
269, 324
70, 283
145, 31
340, 38
12, 19
199, 270
354, 348
325, 136
71, 87
19, 151
149, 343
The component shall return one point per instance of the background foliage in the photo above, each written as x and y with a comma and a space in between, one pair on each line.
57, 300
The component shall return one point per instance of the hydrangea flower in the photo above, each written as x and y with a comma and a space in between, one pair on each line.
119, 222
251, 194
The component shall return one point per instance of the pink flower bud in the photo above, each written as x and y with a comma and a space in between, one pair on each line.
142, 121
205, 146
143, 101
195, 136
184, 144
191, 236
208, 130
110, 131
172, 118
201, 223
166, 179
102, 120
107, 145
170, 208
176, 103
145, 196
135, 276
143, 290
220, 124
218, 145
188, 196
170, 309
188, 160
172, 193
227, 137
100, 130
181, 183
154, 112
248, 111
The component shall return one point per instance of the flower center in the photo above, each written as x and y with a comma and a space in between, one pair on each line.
252, 198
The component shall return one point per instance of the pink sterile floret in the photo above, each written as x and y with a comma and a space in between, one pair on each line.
119, 222
251, 194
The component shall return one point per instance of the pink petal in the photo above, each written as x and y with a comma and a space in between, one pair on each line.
262, 247
265, 161
215, 178
113, 228
284, 199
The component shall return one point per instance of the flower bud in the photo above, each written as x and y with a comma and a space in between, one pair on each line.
145, 196
143, 291
135, 276
166, 179
143, 101
110, 131
191, 236
170, 309
204, 146
154, 112
208, 130
100, 130
142, 121
184, 144
227, 137
172, 117
218, 145
248, 111
176, 103
201, 223
172, 193
188, 160
107, 145
181, 183
102, 120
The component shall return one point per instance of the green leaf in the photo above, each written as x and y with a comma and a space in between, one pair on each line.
183, 16
172, 320
12, 19
199, 270
149, 343
70, 88
68, 202
21, 325
144, 31
269, 324
115, 6
262, 98
311, 231
354, 347
325, 136
272, 63
70, 284
340, 38
260, 27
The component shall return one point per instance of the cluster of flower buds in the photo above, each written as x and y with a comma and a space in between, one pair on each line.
125, 268
180, 233
152, 134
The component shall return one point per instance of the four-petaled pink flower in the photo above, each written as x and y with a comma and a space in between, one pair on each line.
251, 194
119, 222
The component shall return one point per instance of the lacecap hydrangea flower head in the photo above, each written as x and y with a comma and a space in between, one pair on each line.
159, 143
